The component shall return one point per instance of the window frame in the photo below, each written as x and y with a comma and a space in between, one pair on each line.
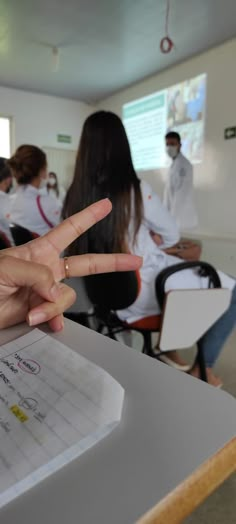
12, 131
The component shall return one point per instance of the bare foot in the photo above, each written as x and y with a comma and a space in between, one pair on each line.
211, 378
174, 355
173, 359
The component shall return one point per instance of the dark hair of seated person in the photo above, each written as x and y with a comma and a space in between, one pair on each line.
5, 172
26, 163
103, 169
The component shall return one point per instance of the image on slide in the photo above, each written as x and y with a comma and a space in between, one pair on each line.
179, 108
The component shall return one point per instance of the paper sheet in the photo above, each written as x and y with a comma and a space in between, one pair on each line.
54, 405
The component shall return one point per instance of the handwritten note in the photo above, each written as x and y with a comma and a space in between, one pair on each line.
54, 405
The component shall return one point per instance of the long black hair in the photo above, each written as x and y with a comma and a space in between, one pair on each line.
104, 168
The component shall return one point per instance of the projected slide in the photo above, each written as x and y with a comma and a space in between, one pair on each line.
179, 108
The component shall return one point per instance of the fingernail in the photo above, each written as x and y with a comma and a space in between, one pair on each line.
54, 292
36, 318
107, 200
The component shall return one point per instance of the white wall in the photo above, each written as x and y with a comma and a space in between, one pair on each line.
215, 178
38, 119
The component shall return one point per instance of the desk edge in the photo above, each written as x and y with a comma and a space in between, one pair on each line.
194, 489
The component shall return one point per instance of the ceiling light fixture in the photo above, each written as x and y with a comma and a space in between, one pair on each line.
166, 44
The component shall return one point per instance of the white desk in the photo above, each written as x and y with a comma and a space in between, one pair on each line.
171, 424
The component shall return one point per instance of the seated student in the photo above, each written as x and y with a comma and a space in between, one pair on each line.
5, 184
31, 206
54, 188
104, 169
30, 275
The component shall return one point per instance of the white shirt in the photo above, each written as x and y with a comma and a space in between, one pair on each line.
4, 213
179, 193
25, 211
61, 196
156, 218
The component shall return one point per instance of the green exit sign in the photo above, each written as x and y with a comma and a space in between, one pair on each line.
230, 132
64, 139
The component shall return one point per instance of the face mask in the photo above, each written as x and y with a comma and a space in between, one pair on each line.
172, 151
51, 182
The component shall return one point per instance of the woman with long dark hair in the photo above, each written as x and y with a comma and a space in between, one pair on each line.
138, 224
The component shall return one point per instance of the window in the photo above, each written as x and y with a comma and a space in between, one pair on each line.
5, 137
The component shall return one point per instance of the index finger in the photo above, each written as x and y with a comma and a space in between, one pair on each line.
69, 230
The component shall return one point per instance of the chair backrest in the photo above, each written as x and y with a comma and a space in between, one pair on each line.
20, 234
4, 242
189, 313
203, 268
112, 291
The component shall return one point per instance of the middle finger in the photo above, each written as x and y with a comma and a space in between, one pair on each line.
83, 265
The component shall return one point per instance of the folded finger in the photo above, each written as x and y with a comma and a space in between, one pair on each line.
47, 311
57, 323
17, 273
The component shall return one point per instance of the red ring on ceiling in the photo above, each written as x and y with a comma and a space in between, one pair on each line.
166, 45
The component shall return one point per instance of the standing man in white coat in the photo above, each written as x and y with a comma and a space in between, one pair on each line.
178, 193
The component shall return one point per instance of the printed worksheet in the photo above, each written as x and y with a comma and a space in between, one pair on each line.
54, 405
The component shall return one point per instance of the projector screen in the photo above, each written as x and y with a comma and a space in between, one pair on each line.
178, 108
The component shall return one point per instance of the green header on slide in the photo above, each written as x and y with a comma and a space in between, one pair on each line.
143, 106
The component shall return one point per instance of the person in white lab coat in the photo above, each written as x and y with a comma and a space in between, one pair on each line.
179, 191
103, 169
5, 185
31, 206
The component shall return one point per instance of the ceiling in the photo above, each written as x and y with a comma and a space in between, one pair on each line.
105, 45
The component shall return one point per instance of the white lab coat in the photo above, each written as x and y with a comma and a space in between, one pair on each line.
4, 213
61, 196
24, 210
179, 193
156, 218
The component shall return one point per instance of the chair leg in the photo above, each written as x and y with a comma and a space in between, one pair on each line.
202, 365
100, 328
147, 343
111, 333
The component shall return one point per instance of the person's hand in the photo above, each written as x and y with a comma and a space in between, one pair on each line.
156, 238
30, 275
174, 251
186, 250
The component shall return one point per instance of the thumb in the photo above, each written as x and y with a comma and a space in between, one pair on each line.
17, 273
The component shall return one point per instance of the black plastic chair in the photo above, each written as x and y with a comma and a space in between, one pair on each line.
116, 291
21, 235
106, 293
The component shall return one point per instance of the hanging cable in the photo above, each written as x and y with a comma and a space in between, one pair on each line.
166, 44
167, 16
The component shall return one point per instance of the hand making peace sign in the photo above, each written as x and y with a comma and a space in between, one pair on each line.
30, 275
